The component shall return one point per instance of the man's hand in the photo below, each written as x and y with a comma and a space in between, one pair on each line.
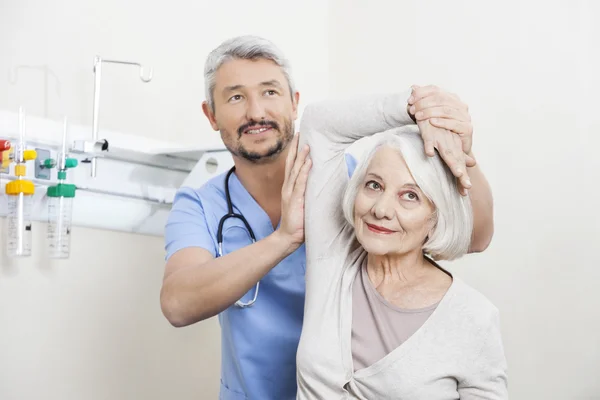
449, 147
297, 166
444, 110
445, 125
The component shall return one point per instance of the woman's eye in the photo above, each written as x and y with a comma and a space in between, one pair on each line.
373, 185
410, 196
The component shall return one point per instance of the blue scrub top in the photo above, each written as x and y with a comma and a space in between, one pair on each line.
258, 343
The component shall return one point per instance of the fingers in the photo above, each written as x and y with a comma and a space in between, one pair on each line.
462, 190
296, 168
291, 156
457, 126
463, 129
430, 144
420, 92
442, 112
441, 109
449, 147
460, 127
444, 100
300, 186
290, 160
452, 154
453, 158
470, 161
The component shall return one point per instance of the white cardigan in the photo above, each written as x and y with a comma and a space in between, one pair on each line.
457, 353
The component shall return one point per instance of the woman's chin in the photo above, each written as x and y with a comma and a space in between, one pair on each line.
382, 248
374, 247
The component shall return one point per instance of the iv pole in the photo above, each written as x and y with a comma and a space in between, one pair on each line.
97, 81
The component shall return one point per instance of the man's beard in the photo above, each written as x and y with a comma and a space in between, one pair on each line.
271, 153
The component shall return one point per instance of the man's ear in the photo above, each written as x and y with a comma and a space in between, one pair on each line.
295, 101
210, 115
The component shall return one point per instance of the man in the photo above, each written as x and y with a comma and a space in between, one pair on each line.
257, 289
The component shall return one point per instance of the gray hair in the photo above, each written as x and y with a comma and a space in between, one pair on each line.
245, 48
451, 236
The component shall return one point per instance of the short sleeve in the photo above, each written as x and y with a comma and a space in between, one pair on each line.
187, 224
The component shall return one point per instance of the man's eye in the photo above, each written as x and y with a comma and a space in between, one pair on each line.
235, 98
271, 92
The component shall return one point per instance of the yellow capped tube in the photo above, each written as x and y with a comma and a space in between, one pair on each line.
20, 195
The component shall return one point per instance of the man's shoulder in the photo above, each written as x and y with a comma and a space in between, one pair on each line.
214, 187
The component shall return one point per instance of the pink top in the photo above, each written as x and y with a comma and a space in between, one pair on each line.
378, 326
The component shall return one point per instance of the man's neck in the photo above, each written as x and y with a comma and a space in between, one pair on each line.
264, 183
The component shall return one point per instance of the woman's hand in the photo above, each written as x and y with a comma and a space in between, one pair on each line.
297, 166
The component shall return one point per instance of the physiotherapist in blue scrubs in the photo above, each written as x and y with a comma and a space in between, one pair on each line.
251, 271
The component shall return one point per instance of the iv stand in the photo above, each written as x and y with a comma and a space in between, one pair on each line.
102, 145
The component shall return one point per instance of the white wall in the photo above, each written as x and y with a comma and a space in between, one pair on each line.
174, 38
530, 75
91, 327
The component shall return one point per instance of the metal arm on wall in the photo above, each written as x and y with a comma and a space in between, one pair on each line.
103, 144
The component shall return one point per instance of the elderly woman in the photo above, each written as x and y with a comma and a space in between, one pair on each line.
382, 319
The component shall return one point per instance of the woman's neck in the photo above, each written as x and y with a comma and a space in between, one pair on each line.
409, 281
399, 268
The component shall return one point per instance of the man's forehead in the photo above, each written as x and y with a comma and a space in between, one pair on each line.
248, 73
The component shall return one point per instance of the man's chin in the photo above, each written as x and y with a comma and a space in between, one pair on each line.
262, 154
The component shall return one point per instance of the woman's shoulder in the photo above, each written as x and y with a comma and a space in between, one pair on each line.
470, 304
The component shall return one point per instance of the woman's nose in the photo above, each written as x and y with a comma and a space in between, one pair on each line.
383, 208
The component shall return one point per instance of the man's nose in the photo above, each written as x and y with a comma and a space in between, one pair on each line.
256, 110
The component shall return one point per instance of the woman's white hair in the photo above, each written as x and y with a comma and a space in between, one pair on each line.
451, 235
246, 47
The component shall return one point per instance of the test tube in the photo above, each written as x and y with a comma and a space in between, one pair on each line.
20, 194
60, 206
19, 223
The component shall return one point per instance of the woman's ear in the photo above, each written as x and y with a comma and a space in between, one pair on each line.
432, 224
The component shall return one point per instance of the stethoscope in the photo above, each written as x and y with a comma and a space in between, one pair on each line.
231, 214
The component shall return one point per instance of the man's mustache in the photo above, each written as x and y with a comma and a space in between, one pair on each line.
271, 124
